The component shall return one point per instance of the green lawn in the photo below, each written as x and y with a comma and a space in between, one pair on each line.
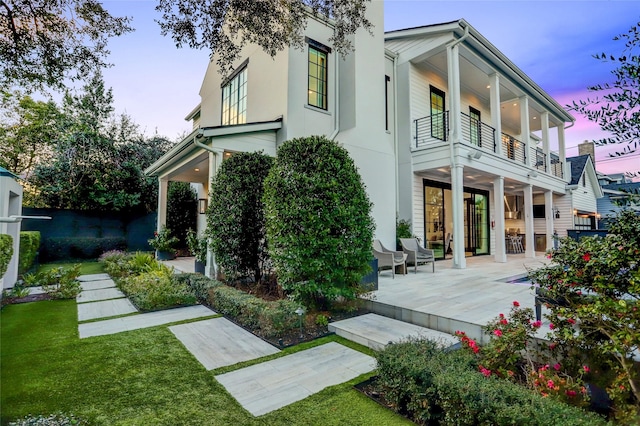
144, 377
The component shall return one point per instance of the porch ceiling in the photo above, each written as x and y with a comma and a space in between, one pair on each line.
194, 170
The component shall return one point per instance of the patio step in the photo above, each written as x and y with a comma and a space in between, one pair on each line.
376, 331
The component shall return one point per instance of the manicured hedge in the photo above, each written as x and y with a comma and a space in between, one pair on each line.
79, 248
434, 386
6, 251
29, 246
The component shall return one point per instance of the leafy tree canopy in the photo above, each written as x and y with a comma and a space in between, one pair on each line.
44, 42
616, 109
224, 27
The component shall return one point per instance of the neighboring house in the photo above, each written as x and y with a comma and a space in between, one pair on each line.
313, 91
10, 208
446, 131
474, 135
618, 196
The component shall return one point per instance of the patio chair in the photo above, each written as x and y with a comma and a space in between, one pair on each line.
388, 257
415, 253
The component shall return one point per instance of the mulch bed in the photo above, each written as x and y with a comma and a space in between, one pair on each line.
26, 299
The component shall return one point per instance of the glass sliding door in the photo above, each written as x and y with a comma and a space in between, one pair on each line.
434, 220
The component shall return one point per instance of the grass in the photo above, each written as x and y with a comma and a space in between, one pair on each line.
87, 267
139, 378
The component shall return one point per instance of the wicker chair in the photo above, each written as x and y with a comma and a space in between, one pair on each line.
388, 257
415, 253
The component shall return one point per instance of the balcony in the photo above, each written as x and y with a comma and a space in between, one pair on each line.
433, 131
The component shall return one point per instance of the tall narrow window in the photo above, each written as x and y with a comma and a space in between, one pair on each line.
386, 102
438, 114
474, 127
234, 98
318, 74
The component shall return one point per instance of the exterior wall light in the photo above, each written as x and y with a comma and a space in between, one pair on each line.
202, 205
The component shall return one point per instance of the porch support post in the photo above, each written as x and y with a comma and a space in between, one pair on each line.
457, 202
215, 159
530, 249
163, 189
526, 129
498, 218
494, 93
453, 67
548, 214
562, 154
544, 120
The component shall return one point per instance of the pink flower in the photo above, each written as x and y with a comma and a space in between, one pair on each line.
586, 368
556, 367
586, 257
550, 384
552, 346
501, 315
552, 326
497, 332
571, 393
537, 324
485, 371
516, 303
548, 255
503, 321
571, 321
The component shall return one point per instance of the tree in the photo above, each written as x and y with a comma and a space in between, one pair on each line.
235, 218
617, 110
182, 210
28, 130
318, 218
224, 27
45, 42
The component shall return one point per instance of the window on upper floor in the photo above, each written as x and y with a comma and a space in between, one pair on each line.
318, 74
234, 97
584, 179
474, 126
438, 114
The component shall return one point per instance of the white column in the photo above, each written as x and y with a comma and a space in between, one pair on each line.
453, 68
525, 133
498, 210
163, 188
211, 267
457, 201
562, 154
494, 93
549, 218
544, 118
530, 249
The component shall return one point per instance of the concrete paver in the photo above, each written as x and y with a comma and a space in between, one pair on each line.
105, 309
134, 322
270, 385
97, 284
218, 342
376, 331
100, 294
93, 277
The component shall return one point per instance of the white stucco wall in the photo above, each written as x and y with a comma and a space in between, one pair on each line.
10, 205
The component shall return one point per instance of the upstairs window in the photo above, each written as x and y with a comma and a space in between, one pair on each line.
234, 98
318, 74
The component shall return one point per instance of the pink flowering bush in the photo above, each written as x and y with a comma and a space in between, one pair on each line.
550, 381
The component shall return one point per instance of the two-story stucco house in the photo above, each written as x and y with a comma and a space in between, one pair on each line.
445, 130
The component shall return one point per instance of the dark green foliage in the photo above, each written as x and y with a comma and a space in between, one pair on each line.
155, 290
29, 246
444, 387
6, 251
198, 284
79, 248
319, 225
266, 318
235, 219
403, 230
197, 246
59, 282
182, 211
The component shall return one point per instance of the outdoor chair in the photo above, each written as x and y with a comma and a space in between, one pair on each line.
388, 257
415, 253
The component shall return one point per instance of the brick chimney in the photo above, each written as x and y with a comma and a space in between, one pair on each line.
588, 147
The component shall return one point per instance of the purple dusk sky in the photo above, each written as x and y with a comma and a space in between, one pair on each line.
551, 41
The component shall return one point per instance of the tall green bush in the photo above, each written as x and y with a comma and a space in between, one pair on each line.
182, 210
6, 251
29, 246
235, 219
319, 224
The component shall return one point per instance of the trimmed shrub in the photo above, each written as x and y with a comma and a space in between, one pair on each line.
198, 284
6, 251
155, 290
267, 319
29, 246
182, 210
318, 218
235, 218
435, 386
80, 248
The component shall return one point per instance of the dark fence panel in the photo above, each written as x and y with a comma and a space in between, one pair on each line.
576, 234
68, 227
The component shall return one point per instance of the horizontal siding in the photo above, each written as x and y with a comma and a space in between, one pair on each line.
564, 205
417, 220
